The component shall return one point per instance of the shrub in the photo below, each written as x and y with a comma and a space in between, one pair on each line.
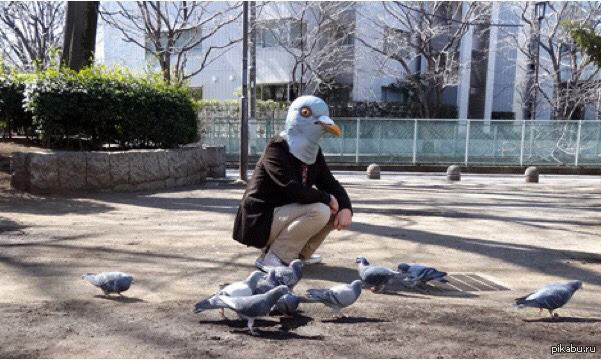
108, 106
13, 116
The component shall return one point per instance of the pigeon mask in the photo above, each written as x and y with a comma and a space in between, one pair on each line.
308, 119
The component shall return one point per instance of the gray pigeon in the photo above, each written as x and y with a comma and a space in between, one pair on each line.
337, 297
110, 282
245, 287
420, 274
288, 304
550, 297
249, 307
289, 275
376, 277
266, 282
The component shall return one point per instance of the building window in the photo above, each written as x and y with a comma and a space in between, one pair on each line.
277, 92
279, 32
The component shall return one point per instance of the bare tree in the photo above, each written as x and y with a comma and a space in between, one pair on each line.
317, 36
568, 79
30, 31
174, 31
419, 44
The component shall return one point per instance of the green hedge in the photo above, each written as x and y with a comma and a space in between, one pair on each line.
110, 106
13, 118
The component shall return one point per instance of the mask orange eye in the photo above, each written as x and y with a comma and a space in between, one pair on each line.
305, 112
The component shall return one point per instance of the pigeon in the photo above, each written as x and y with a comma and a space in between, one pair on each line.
248, 307
267, 282
239, 288
289, 275
288, 304
337, 297
376, 277
307, 120
420, 274
110, 282
550, 297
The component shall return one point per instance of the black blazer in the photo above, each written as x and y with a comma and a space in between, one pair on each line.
277, 181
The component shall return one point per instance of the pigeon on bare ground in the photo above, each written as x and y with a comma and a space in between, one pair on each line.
248, 307
337, 297
550, 297
110, 282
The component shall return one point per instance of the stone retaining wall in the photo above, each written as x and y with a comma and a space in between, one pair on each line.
133, 170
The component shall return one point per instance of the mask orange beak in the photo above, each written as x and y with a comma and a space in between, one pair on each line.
329, 125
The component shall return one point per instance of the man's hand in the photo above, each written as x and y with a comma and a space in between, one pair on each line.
333, 205
343, 219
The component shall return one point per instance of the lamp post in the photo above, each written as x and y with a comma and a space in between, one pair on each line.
244, 98
539, 11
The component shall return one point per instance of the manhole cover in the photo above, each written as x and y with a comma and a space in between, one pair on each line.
468, 282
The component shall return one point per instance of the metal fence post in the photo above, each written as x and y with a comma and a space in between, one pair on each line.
342, 143
414, 141
578, 143
380, 138
522, 143
357, 141
467, 141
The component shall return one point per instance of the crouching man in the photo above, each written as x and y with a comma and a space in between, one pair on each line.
293, 201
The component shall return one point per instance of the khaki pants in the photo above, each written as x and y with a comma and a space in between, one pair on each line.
297, 230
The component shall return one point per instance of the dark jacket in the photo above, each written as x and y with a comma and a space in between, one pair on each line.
277, 181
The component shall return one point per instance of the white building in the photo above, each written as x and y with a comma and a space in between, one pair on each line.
486, 80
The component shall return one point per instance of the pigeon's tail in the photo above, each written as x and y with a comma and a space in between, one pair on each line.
214, 302
91, 278
523, 301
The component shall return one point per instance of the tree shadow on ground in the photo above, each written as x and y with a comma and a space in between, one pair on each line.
354, 320
548, 261
454, 214
560, 319
41, 205
219, 205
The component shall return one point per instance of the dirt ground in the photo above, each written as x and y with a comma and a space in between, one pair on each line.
178, 246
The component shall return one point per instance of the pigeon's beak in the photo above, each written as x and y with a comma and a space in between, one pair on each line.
329, 125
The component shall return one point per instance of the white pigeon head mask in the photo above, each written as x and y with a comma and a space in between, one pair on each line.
308, 119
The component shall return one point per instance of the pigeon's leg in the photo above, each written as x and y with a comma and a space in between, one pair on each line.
551, 313
377, 289
222, 313
252, 330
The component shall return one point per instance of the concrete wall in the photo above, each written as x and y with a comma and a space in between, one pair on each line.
134, 170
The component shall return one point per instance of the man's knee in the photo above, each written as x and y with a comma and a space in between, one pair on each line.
321, 211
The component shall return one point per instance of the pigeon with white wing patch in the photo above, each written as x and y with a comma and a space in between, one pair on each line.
550, 297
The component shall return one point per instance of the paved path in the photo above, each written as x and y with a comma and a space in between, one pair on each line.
178, 244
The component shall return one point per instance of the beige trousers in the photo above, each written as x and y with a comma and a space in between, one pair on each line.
297, 230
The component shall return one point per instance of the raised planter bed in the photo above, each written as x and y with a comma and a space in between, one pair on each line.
133, 170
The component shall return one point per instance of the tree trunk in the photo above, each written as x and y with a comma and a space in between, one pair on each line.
80, 34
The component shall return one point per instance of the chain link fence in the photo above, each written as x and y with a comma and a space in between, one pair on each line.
429, 141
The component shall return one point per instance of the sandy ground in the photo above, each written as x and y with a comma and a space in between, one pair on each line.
178, 246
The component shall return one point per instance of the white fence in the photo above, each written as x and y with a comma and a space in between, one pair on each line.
436, 141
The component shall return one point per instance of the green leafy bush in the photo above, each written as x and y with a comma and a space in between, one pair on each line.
110, 106
13, 118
